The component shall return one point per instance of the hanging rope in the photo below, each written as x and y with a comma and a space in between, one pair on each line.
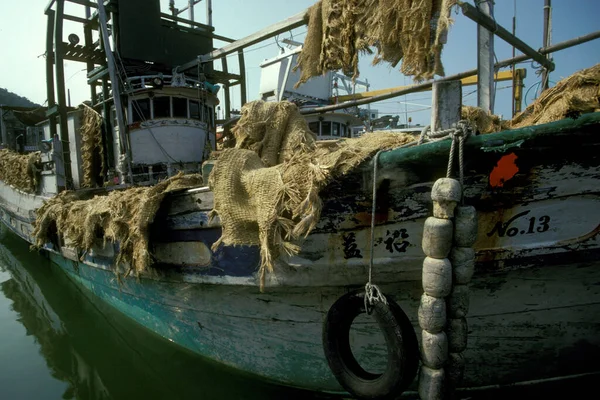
372, 292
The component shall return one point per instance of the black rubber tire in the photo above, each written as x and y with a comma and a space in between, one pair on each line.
400, 338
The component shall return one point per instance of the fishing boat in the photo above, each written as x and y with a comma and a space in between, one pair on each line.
95, 350
277, 83
533, 313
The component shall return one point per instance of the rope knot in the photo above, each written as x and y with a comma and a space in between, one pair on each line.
462, 130
373, 295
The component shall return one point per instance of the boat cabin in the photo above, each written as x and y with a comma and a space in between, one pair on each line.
277, 82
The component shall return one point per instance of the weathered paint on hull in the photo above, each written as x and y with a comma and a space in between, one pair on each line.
524, 324
535, 303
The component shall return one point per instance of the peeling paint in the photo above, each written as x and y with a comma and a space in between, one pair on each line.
504, 170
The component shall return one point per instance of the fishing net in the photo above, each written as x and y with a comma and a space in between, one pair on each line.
266, 189
92, 151
482, 121
407, 30
571, 97
20, 170
122, 216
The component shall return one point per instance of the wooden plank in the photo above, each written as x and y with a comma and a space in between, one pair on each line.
446, 104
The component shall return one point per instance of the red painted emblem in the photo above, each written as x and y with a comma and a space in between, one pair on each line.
504, 170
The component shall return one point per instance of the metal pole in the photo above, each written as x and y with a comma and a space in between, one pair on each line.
50, 72
191, 9
60, 89
209, 21
491, 25
427, 85
547, 17
88, 40
2, 127
485, 60
512, 67
242, 65
257, 37
114, 82
551, 49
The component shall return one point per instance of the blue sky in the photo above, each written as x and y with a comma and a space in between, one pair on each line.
23, 27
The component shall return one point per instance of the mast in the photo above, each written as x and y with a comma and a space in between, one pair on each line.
512, 66
485, 60
191, 10
115, 90
209, 20
547, 22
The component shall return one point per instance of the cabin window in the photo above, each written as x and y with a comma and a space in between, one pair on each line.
179, 107
211, 115
326, 128
205, 119
314, 127
140, 109
162, 107
336, 129
195, 110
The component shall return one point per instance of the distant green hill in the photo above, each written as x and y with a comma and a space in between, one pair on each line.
11, 99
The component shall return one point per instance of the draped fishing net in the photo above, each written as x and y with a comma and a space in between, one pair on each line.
482, 121
20, 170
407, 30
92, 150
122, 216
266, 189
571, 97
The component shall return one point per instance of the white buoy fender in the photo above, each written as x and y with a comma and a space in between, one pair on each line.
445, 193
458, 302
437, 237
434, 349
463, 264
432, 313
457, 335
465, 226
437, 277
431, 383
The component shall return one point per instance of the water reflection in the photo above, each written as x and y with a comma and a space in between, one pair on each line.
97, 352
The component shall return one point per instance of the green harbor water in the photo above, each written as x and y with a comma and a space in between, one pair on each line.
57, 342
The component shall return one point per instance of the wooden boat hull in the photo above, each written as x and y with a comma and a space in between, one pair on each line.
524, 324
535, 298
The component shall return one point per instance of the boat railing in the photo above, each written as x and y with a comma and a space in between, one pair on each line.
139, 83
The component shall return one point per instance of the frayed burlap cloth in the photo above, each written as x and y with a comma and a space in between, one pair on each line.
482, 121
571, 97
407, 30
20, 170
266, 189
92, 149
122, 216
578, 94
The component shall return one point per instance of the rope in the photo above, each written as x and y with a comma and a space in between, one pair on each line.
451, 159
372, 292
459, 134
424, 134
